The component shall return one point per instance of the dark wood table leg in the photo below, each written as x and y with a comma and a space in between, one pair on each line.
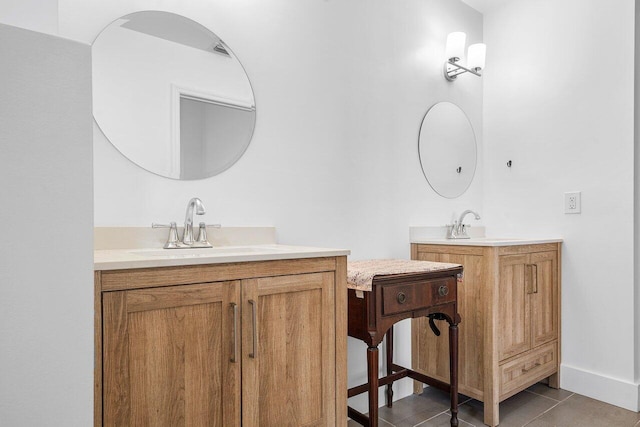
389, 339
453, 372
372, 372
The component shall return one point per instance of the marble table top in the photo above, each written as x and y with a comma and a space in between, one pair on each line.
360, 274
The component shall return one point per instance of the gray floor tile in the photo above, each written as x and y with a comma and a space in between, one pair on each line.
416, 408
552, 393
539, 406
514, 412
582, 411
443, 420
381, 423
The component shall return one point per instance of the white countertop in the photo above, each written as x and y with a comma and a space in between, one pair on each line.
436, 235
485, 241
120, 259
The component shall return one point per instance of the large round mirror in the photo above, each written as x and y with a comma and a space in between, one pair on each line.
447, 147
171, 96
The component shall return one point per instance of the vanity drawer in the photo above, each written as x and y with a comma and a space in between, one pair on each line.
411, 296
527, 369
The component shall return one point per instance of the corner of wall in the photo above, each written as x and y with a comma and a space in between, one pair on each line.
636, 193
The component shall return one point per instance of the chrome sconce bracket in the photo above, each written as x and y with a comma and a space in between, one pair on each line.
452, 69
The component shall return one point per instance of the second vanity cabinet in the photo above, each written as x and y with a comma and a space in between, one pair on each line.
251, 344
509, 302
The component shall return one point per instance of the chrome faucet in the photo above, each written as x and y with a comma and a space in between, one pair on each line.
458, 230
187, 240
187, 234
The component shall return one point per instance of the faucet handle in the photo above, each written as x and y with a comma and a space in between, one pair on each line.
451, 230
156, 225
201, 241
172, 240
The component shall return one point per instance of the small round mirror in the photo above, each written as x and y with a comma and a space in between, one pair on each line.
171, 96
447, 148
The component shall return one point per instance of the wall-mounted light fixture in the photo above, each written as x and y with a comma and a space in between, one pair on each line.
455, 51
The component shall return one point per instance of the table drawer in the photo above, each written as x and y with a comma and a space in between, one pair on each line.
529, 368
411, 296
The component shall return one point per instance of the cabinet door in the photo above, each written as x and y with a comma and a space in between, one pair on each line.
544, 298
167, 356
288, 351
513, 328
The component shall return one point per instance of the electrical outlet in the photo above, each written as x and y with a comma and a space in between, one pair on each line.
572, 202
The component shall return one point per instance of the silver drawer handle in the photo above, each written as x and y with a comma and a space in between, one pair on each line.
443, 290
254, 353
234, 356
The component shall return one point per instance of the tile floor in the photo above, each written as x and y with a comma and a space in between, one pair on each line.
538, 406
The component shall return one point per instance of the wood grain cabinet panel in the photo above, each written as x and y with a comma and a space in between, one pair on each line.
509, 303
286, 378
266, 351
514, 331
545, 298
167, 357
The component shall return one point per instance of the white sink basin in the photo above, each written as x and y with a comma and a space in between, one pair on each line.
206, 252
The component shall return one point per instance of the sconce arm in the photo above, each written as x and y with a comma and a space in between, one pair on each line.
451, 74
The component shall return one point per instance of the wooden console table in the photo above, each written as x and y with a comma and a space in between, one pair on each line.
383, 292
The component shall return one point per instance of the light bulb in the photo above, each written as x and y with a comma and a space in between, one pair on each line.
477, 55
455, 45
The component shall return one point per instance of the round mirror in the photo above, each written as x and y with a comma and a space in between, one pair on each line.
447, 147
171, 96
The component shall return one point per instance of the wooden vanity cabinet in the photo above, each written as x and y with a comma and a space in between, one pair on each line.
251, 344
509, 336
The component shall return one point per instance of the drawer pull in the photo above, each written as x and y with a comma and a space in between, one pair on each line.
443, 290
524, 371
254, 353
234, 356
402, 298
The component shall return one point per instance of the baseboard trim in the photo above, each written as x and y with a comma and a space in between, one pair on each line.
597, 386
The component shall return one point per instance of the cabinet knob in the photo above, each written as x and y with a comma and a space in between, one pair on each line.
402, 298
443, 290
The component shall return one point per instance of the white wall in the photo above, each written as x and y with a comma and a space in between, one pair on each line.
46, 273
555, 106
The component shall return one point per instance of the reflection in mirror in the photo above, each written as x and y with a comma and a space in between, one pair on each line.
447, 147
171, 96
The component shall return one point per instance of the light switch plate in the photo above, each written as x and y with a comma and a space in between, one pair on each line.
572, 202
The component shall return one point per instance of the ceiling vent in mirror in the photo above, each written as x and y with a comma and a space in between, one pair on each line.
220, 49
